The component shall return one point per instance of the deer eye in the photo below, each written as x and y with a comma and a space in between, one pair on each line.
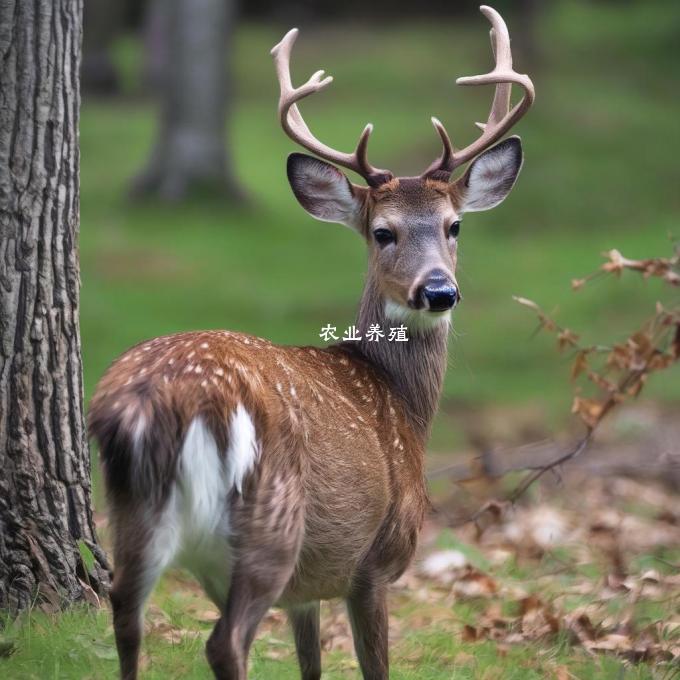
454, 229
383, 236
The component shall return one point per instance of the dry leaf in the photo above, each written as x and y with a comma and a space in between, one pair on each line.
589, 410
566, 338
474, 583
580, 364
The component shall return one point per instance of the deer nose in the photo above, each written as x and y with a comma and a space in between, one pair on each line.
438, 294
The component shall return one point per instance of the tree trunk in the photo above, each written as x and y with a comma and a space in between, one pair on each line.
45, 512
191, 150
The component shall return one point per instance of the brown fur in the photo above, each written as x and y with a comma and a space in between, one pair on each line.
337, 496
335, 503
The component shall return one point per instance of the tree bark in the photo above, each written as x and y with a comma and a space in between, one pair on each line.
194, 39
45, 492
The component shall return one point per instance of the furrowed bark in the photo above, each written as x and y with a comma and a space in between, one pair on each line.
45, 491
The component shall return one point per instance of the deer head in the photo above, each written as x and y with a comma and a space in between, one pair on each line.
411, 224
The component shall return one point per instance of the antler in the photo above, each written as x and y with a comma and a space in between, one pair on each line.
296, 128
501, 117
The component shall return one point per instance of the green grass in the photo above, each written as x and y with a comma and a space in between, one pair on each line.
601, 171
428, 646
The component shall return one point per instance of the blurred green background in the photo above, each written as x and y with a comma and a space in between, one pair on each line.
601, 172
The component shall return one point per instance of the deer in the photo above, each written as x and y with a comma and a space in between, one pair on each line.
281, 475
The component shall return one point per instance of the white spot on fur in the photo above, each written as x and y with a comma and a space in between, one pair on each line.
218, 371
138, 434
293, 393
204, 345
198, 369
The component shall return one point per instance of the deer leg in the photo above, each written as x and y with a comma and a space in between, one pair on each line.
305, 623
127, 600
133, 581
250, 596
265, 547
141, 554
367, 606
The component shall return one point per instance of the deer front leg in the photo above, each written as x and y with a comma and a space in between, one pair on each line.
367, 606
305, 623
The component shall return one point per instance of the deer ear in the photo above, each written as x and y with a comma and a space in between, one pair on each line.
324, 192
491, 176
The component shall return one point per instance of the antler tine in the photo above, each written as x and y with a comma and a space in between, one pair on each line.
296, 128
442, 167
501, 117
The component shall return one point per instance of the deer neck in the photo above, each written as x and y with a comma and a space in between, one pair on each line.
414, 369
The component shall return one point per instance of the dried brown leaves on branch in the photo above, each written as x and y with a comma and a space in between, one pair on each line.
613, 373
619, 371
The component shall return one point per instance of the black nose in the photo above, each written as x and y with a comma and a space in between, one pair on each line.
438, 294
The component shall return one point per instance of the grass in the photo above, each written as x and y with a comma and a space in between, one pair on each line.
428, 646
601, 172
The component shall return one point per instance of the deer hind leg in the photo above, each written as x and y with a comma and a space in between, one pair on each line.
305, 623
141, 554
367, 606
266, 535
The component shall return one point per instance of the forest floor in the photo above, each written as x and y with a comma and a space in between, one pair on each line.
579, 579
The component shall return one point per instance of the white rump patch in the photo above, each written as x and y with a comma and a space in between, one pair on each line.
193, 528
243, 449
203, 481
201, 511
415, 319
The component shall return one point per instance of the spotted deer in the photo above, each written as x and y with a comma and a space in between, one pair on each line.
287, 475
